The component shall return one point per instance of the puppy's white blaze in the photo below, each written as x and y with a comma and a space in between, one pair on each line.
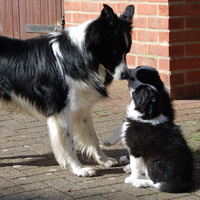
136, 115
77, 33
120, 69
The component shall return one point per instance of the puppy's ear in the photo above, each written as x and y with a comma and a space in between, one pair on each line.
107, 13
147, 102
128, 13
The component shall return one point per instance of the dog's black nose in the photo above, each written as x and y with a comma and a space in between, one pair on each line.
125, 75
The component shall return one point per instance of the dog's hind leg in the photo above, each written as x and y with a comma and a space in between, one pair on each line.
89, 140
60, 132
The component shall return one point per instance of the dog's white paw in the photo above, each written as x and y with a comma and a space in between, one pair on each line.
86, 171
142, 183
110, 162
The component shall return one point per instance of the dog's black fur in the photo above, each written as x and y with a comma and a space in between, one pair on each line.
60, 76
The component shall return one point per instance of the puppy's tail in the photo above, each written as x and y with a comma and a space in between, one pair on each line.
165, 187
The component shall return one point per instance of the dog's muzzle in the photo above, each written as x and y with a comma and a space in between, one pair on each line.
125, 75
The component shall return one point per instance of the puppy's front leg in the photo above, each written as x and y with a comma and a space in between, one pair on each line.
136, 165
115, 137
60, 132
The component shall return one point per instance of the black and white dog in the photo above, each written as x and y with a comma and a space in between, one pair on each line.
156, 145
61, 75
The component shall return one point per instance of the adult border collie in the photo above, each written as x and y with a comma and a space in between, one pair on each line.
156, 145
61, 75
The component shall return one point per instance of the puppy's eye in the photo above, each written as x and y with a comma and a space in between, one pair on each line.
132, 79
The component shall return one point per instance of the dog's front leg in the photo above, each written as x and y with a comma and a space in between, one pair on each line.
60, 132
89, 140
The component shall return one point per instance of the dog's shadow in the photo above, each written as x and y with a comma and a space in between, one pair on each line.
47, 160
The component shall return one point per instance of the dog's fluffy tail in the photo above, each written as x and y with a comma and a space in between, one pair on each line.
165, 187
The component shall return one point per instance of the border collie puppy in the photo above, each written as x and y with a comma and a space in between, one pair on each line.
156, 145
61, 75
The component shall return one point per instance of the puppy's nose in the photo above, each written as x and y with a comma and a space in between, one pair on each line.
125, 75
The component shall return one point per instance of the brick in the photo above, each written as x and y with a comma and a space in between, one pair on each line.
193, 76
138, 48
192, 49
184, 63
176, 23
89, 6
146, 9
192, 22
151, 61
68, 17
82, 17
185, 92
119, 7
193, 9
140, 22
72, 6
177, 79
131, 60
158, 23
163, 10
178, 10
149, 36
165, 78
176, 50
157, 1
163, 36
160, 50
163, 64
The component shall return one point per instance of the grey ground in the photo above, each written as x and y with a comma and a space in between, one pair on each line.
28, 169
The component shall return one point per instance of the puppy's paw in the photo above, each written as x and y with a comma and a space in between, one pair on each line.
127, 169
107, 142
85, 172
142, 183
129, 180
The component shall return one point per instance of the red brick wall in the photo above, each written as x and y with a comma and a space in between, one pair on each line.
166, 35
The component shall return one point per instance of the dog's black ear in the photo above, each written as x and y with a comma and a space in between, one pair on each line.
107, 13
128, 13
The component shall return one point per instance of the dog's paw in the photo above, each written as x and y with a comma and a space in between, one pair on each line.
107, 142
111, 162
85, 172
129, 180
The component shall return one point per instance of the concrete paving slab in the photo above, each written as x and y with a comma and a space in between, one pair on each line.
28, 169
